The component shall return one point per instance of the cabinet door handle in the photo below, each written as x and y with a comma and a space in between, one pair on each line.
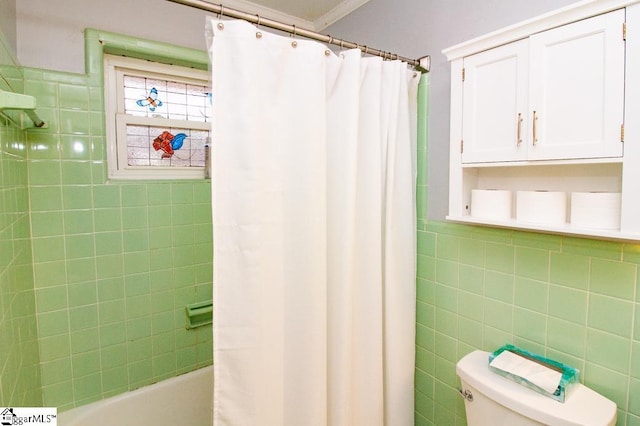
535, 129
519, 141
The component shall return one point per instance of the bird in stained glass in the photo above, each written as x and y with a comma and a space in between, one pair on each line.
168, 143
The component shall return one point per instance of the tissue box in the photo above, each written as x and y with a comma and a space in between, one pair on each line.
568, 380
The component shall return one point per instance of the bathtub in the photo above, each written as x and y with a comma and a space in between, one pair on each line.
182, 400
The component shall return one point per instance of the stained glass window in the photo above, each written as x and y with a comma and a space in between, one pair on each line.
143, 151
161, 116
180, 101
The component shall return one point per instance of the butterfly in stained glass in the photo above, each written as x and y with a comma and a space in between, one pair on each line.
152, 100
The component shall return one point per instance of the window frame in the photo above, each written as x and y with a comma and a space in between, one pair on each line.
115, 67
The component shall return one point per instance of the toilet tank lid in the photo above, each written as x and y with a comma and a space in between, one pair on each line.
582, 407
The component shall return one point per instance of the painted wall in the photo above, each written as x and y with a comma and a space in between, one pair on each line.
19, 356
50, 34
8, 23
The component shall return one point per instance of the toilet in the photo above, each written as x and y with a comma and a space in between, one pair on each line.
491, 399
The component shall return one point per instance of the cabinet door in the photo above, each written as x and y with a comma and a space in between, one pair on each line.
577, 89
495, 104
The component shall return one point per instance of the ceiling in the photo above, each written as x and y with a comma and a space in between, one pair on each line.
310, 14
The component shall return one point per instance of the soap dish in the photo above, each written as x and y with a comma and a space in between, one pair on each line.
199, 314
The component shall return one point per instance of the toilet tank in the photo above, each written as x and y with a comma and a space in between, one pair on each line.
500, 401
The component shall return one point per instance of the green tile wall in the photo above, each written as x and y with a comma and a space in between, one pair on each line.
19, 362
115, 263
572, 299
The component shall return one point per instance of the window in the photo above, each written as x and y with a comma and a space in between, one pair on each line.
157, 119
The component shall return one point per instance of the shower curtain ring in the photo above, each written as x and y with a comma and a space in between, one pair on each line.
221, 14
327, 52
258, 33
294, 30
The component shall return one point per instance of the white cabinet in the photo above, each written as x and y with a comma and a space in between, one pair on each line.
576, 89
541, 105
495, 88
557, 94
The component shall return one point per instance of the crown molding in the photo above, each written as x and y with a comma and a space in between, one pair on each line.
337, 13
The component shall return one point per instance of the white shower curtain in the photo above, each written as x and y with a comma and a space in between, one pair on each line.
314, 232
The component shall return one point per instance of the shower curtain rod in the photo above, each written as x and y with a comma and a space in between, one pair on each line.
422, 64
